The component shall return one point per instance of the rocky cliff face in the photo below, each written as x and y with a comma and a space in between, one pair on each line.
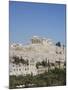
38, 49
34, 57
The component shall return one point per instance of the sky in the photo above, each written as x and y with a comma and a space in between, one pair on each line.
28, 19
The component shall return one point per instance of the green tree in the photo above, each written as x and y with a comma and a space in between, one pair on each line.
58, 44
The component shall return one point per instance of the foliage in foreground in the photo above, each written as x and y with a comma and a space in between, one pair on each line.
55, 77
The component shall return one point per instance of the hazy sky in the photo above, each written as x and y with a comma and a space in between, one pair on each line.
29, 19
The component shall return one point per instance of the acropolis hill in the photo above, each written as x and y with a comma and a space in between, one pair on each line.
27, 59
